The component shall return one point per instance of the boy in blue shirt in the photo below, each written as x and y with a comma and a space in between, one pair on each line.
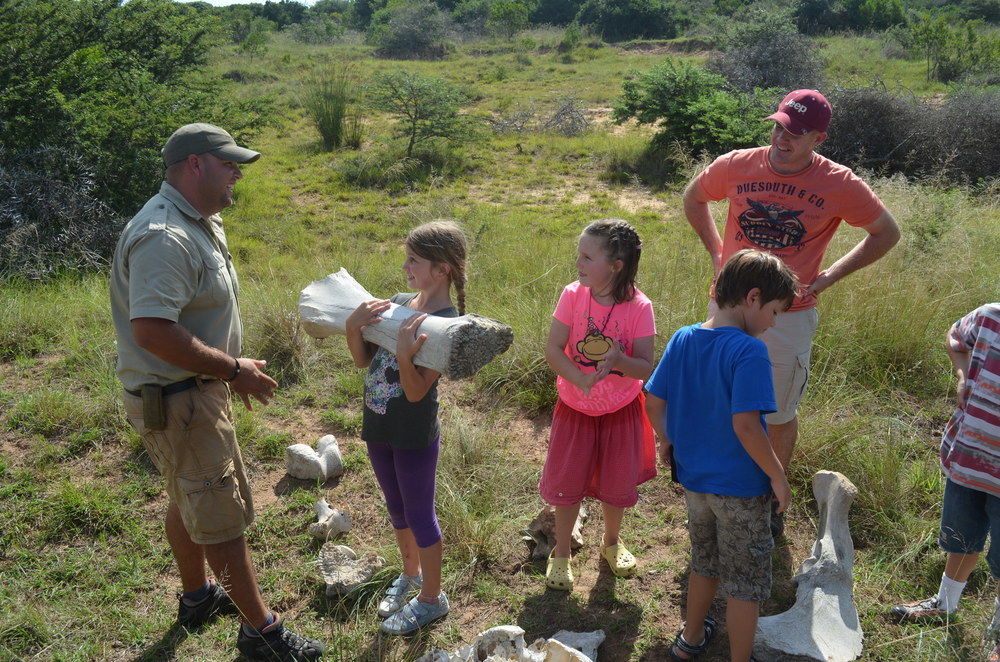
707, 400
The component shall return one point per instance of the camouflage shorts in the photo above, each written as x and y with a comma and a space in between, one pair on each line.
731, 540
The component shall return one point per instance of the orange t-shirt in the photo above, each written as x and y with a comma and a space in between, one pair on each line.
792, 216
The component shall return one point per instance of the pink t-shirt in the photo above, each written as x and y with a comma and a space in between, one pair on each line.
592, 329
792, 216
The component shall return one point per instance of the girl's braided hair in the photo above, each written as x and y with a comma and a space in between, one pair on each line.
621, 242
443, 242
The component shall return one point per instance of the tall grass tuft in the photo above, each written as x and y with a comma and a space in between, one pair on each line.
326, 103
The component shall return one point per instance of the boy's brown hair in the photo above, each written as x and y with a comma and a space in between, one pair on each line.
750, 268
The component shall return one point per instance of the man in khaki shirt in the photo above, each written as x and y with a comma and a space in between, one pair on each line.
175, 304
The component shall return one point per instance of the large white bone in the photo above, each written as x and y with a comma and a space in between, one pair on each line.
505, 643
329, 521
456, 347
303, 462
823, 624
541, 532
343, 571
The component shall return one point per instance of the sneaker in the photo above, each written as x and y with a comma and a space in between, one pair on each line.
921, 610
194, 616
278, 644
398, 594
415, 615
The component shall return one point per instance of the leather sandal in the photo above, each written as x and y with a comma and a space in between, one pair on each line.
621, 560
681, 644
559, 574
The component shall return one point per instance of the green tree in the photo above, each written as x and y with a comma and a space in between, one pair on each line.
507, 17
689, 105
618, 20
425, 107
410, 29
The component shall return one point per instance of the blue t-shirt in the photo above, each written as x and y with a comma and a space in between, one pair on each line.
706, 376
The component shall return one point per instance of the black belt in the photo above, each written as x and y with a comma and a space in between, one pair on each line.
176, 387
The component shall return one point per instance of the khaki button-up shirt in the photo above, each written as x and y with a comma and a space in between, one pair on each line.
171, 263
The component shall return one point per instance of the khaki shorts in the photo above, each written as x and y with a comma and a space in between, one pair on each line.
789, 344
200, 461
731, 541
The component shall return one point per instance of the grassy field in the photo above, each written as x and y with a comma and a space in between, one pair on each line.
85, 571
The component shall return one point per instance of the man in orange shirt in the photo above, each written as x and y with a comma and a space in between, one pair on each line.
788, 200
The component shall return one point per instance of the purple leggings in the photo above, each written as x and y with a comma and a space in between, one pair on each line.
407, 481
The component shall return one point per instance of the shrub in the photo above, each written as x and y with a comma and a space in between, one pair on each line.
569, 118
618, 20
880, 130
50, 217
412, 30
326, 103
318, 29
555, 12
425, 107
768, 52
690, 106
388, 169
507, 17
953, 51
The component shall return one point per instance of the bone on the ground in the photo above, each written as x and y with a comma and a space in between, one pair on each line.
505, 643
457, 347
329, 522
308, 464
541, 532
823, 624
343, 571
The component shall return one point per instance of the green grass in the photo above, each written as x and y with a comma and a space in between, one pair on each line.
84, 566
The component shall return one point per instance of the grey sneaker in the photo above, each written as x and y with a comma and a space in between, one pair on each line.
399, 593
927, 609
415, 615
194, 616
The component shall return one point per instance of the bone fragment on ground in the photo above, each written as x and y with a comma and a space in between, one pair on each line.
505, 643
585, 642
823, 624
308, 464
541, 533
330, 522
457, 347
343, 571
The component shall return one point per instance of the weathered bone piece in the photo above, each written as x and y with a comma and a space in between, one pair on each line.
457, 347
585, 642
343, 571
308, 464
329, 521
541, 533
505, 643
823, 624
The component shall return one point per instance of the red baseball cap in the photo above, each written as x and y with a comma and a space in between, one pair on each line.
803, 111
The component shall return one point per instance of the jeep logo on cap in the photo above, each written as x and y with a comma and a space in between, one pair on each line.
796, 105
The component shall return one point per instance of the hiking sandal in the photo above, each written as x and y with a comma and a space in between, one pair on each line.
559, 574
621, 560
692, 651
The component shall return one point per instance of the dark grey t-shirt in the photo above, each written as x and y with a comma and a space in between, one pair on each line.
388, 416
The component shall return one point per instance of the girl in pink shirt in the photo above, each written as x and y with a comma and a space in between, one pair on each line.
601, 347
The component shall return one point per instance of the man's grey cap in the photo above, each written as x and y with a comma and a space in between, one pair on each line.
200, 138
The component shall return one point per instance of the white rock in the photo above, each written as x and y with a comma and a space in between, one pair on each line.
343, 571
557, 651
823, 624
329, 521
308, 464
541, 532
585, 642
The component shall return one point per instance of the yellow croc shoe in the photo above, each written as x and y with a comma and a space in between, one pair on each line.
620, 559
559, 574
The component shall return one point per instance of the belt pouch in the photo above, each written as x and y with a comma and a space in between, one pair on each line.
153, 415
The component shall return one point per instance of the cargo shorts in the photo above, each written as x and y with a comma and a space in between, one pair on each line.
200, 461
731, 541
789, 345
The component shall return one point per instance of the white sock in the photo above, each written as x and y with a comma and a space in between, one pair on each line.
949, 593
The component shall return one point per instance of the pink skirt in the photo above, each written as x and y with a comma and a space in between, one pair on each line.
604, 457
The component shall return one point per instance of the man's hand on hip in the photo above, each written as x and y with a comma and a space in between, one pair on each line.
252, 382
